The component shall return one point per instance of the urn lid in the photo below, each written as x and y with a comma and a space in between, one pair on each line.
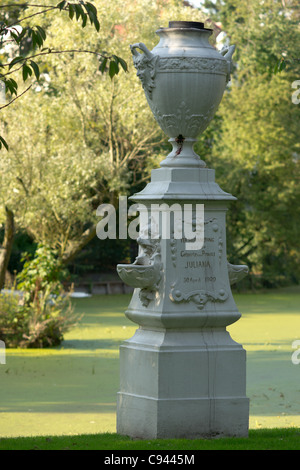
188, 25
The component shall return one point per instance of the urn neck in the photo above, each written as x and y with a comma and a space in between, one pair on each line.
183, 37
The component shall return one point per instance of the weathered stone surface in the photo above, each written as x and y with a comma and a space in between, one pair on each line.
182, 375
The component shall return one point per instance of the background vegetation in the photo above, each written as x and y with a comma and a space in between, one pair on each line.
254, 144
71, 389
80, 137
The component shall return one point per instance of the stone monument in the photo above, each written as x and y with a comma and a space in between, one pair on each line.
181, 374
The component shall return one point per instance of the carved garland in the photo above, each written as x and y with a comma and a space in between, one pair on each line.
199, 297
192, 64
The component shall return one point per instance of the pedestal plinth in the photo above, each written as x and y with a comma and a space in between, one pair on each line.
182, 384
182, 375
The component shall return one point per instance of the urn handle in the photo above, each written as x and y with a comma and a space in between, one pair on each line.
227, 52
145, 65
142, 47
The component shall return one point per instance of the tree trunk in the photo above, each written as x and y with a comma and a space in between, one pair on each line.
5, 250
75, 247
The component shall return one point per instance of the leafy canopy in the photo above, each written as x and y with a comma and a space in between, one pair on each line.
16, 33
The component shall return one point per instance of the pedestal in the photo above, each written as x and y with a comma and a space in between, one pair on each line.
182, 384
182, 375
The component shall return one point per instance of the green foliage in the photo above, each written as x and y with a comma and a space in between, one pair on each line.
3, 143
11, 85
22, 244
112, 66
36, 35
39, 272
281, 65
256, 149
77, 9
265, 32
37, 324
91, 136
102, 257
39, 312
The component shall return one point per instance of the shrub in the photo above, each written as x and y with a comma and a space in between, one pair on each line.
40, 312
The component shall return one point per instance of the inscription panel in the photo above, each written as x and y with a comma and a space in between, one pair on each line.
198, 277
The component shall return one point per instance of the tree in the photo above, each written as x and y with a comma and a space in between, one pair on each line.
22, 44
31, 38
90, 137
256, 151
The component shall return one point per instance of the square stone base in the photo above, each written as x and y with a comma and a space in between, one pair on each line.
149, 418
187, 384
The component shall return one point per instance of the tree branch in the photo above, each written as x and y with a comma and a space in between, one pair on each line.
27, 17
50, 51
77, 246
1, 107
24, 5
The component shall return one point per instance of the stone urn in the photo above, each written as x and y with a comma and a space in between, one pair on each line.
184, 79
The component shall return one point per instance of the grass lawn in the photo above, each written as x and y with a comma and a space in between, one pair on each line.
259, 439
71, 390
